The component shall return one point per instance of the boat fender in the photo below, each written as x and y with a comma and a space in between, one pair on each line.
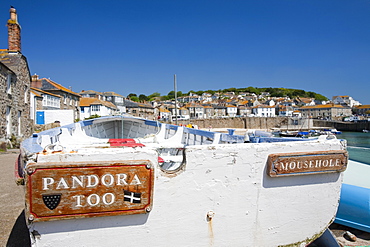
246, 138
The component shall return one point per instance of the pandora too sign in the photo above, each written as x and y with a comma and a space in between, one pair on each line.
56, 191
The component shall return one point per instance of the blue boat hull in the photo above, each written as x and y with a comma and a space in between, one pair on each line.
354, 204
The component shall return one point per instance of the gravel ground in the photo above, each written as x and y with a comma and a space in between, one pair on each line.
13, 230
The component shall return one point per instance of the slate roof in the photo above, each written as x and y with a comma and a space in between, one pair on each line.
323, 106
94, 101
38, 92
362, 107
50, 85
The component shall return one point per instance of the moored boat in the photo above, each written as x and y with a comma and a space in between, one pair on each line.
136, 182
354, 205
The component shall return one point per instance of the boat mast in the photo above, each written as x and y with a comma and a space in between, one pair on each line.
175, 89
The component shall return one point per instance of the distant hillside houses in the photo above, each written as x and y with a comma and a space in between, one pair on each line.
218, 105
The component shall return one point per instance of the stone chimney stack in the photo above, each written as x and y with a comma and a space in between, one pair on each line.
14, 31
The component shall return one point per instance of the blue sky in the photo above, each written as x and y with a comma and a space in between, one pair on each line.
136, 46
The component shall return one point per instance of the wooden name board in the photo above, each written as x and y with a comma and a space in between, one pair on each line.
289, 164
60, 190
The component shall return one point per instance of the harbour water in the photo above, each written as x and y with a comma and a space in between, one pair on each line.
358, 146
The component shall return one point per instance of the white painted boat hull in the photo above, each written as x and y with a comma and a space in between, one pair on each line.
223, 196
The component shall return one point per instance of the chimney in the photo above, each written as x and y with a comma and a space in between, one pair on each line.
14, 31
36, 82
35, 77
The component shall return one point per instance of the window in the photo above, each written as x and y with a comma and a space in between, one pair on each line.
19, 123
8, 120
9, 84
82, 109
25, 94
52, 101
95, 108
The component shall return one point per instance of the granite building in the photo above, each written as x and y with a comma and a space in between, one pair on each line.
15, 83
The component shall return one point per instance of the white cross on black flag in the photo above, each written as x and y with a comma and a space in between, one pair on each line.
132, 197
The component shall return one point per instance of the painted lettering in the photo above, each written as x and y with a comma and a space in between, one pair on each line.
135, 180
331, 164
292, 165
93, 199
311, 164
79, 181
90, 182
305, 164
284, 167
325, 163
337, 162
121, 179
299, 165
109, 181
112, 198
62, 184
46, 182
78, 200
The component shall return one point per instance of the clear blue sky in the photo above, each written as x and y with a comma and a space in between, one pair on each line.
136, 46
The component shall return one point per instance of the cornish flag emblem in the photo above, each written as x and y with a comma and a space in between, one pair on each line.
51, 201
132, 197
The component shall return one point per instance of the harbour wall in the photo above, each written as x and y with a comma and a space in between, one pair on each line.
239, 122
343, 126
268, 123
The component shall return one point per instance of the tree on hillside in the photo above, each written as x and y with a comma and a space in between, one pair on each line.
134, 98
143, 97
131, 95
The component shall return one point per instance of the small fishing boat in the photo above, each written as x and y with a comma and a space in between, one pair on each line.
354, 205
135, 182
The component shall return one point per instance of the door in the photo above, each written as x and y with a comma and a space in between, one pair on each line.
40, 117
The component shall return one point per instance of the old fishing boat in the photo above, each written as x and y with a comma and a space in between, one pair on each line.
134, 182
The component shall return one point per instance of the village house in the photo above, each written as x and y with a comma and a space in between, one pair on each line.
345, 100
244, 111
164, 113
231, 110
219, 111
299, 101
328, 111
284, 111
15, 80
115, 98
140, 110
41, 100
69, 100
94, 106
195, 110
92, 94
263, 111
363, 110
184, 112
209, 111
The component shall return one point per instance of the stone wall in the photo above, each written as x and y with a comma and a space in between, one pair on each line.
17, 99
268, 123
343, 126
239, 122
